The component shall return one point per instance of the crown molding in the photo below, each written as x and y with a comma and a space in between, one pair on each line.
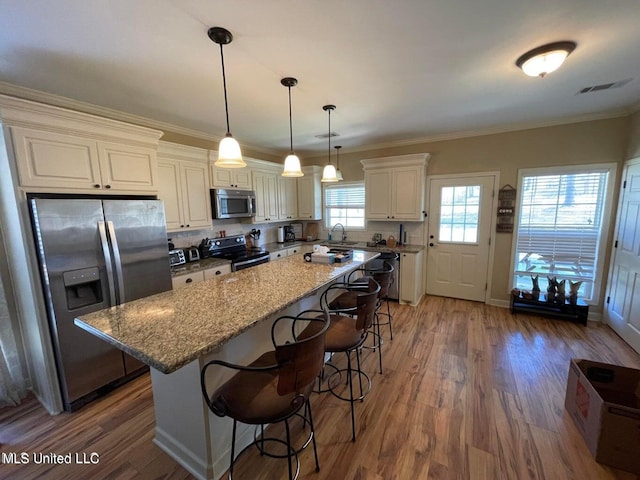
84, 107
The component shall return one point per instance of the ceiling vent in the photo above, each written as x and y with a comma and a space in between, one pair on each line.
604, 86
327, 135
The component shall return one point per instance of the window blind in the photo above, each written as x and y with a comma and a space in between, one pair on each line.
344, 203
560, 226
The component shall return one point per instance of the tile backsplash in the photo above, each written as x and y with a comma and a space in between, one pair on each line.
269, 232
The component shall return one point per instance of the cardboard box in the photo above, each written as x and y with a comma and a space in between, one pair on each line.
604, 402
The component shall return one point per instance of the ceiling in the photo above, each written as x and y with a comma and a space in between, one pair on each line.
398, 72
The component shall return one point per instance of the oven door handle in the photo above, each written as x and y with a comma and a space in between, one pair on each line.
249, 261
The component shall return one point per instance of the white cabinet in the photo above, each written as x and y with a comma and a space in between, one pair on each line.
238, 178
70, 162
310, 194
217, 271
181, 281
273, 256
265, 184
184, 186
395, 187
287, 198
411, 274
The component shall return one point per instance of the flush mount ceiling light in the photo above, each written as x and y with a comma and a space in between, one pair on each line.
545, 59
329, 172
292, 162
229, 154
338, 172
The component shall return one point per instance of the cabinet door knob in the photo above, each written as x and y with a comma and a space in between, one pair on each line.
188, 225
181, 226
189, 280
107, 186
218, 272
97, 185
431, 245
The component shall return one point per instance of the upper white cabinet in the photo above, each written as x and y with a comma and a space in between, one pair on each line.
287, 198
265, 184
60, 150
236, 178
183, 174
310, 194
395, 187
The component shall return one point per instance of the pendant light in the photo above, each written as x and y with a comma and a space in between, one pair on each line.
292, 162
329, 172
338, 172
229, 154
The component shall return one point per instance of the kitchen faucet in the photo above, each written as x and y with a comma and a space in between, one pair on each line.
344, 236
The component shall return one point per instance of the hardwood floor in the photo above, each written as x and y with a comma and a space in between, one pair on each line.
469, 391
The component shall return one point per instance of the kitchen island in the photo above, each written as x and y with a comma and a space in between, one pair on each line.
228, 318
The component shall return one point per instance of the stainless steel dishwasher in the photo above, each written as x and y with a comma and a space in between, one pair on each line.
394, 260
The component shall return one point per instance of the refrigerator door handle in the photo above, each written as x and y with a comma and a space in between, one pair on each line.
107, 261
117, 260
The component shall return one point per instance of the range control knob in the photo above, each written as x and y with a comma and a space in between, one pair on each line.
217, 244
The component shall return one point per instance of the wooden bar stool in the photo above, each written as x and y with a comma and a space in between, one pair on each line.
274, 387
347, 332
384, 277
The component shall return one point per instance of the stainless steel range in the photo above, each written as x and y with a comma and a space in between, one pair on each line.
233, 248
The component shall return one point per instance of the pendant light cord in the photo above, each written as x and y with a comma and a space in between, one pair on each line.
329, 137
290, 123
224, 84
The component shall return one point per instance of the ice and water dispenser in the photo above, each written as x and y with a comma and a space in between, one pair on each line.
82, 287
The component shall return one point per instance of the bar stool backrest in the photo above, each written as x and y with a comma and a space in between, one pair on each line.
301, 361
366, 305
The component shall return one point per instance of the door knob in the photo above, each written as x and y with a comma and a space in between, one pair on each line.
431, 245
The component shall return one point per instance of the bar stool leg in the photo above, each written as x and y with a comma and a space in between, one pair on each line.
359, 376
353, 415
313, 432
286, 426
233, 450
390, 319
379, 342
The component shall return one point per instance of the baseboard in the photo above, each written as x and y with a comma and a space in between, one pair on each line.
498, 303
183, 456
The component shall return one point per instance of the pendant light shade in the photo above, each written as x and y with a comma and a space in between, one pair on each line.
545, 59
338, 172
329, 172
229, 154
292, 162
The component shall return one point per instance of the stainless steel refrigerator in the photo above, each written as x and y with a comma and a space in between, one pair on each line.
93, 254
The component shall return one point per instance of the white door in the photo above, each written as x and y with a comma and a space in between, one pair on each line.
460, 219
622, 308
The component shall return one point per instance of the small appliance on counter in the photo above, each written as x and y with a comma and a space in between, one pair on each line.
298, 233
177, 257
280, 234
193, 254
289, 235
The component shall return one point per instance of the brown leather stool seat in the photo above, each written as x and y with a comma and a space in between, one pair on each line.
276, 385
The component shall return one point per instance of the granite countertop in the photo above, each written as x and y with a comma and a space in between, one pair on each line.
274, 247
170, 329
203, 264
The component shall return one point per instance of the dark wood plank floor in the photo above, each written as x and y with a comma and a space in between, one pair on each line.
469, 391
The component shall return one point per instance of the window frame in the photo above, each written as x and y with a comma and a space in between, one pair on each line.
599, 275
335, 185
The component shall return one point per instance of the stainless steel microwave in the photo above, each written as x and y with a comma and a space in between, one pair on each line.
233, 203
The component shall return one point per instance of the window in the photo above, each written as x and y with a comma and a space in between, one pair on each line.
344, 203
563, 218
459, 207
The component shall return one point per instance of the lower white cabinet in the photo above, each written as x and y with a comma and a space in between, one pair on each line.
181, 281
273, 256
217, 271
411, 275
